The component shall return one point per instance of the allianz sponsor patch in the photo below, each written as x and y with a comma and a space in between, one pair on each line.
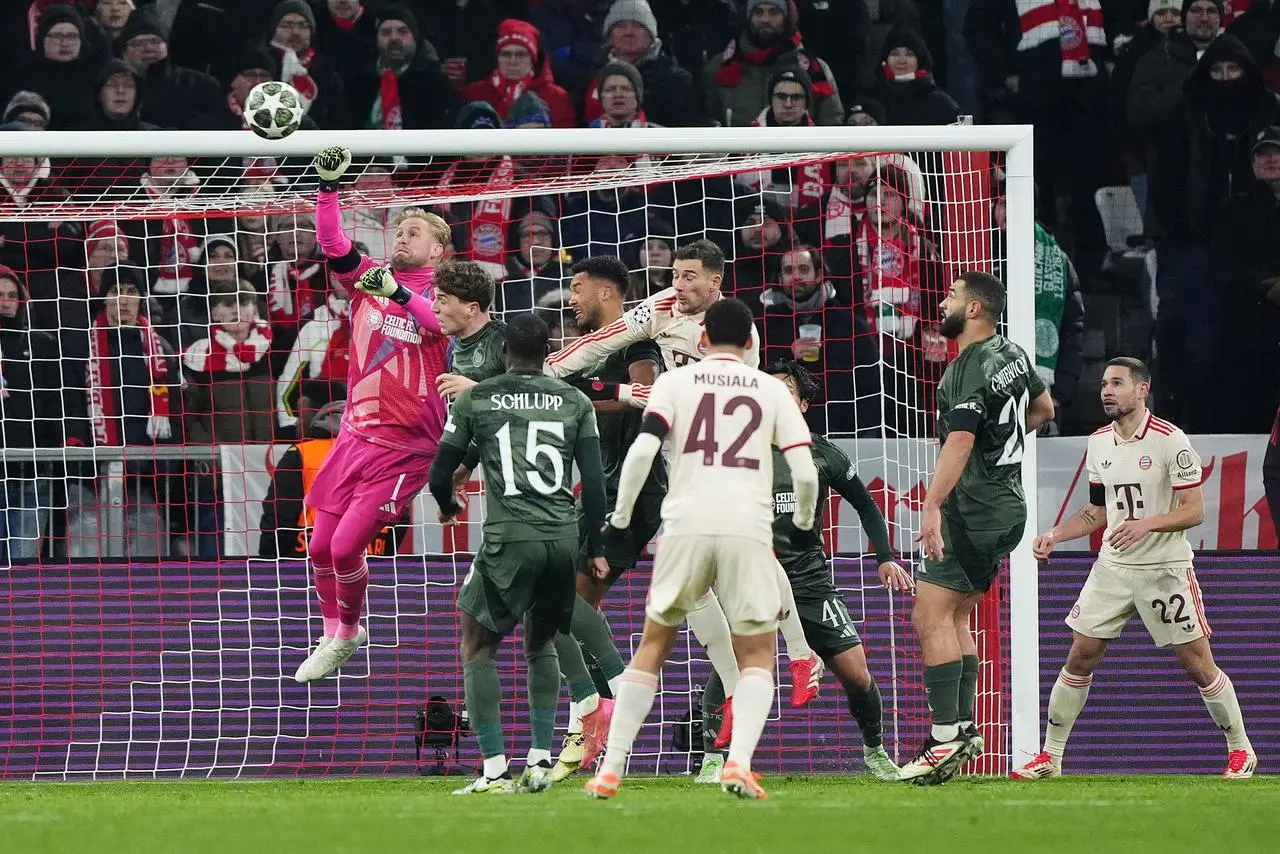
1183, 460
639, 316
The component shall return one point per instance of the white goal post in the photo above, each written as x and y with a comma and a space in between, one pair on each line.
703, 151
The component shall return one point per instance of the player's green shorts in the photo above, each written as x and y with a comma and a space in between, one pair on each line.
825, 619
971, 558
646, 518
506, 581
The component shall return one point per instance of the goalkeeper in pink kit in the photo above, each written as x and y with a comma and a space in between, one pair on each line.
394, 416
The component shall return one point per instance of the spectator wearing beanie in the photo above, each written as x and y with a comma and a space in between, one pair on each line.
620, 92
172, 96
867, 112
117, 100
1259, 29
631, 37
291, 34
736, 83
790, 97
405, 86
522, 66
61, 68
533, 266
30, 108
906, 86
251, 63
1201, 159
528, 111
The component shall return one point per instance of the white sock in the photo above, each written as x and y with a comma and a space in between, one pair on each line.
792, 632
1065, 702
710, 626
751, 705
495, 766
944, 732
631, 706
613, 685
1220, 697
575, 718
535, 756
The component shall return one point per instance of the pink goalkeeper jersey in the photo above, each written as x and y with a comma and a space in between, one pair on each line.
391, 381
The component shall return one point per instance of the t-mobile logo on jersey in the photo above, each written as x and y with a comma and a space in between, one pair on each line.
1129, 499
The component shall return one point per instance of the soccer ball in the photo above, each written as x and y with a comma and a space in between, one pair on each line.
273, 110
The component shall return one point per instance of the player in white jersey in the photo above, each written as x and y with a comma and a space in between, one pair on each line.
1144, 486
722, 418
673, 319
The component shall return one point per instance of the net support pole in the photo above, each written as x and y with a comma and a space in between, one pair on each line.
1024, 587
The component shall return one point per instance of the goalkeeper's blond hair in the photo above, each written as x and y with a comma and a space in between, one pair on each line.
439, 228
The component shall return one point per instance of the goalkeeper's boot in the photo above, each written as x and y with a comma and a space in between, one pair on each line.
330, 657
936, 763
537, 778
879, 764
739, 781
595, 730
570, 758
1240, 764
725, 734
806, 679
1042, 767
483, 785
603, 786
709, 773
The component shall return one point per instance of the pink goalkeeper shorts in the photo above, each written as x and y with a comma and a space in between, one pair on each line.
362, 477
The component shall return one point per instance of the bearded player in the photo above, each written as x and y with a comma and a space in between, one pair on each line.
394, 416
974, 512
673, 319
1144, 486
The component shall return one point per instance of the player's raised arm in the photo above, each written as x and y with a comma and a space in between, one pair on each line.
331, 164
639, 460
589, 350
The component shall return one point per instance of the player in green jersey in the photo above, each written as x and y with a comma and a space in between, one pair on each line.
822, 611
597, 291
530, 430
974, 513
464, 293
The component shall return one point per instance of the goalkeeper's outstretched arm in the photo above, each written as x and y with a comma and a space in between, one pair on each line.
331, 164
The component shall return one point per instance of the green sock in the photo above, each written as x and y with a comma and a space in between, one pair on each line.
591, 630
942, 685
544, 691
867, 709
483, 696
712, 719
573, 668
968, 686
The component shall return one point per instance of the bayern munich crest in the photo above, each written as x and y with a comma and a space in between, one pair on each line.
1144, 462
1070, 32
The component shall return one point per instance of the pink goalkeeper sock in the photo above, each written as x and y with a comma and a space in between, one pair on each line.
327, 592
351, 588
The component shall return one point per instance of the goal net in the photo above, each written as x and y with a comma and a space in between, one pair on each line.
174, 356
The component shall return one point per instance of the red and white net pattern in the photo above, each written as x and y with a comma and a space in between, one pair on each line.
179, 317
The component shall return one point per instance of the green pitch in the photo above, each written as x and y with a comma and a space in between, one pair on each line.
1106, 814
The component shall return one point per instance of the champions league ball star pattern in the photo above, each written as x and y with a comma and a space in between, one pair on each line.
273, 110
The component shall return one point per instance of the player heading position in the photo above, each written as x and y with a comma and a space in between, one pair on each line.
530, 430
464, 294
1144, 486
394, 415
722, 417
974, 512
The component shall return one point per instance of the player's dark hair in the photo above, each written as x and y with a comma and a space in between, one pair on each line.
528, 337
986, 289
728, 323
606, 268
806, 385
705, 251
322, 392
466, 281
1137, 368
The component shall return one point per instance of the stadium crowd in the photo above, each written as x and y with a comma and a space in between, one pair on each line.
1157, 132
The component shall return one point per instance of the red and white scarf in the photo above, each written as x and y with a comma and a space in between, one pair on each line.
295, 69
102, 385
294, 288
1076, 24
392, 114
889, 264
220, 353
490, 218
179, 245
